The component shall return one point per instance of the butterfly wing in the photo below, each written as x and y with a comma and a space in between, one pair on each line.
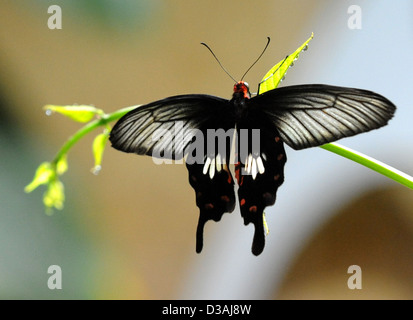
312, 115
214, 192
165, 128
259, 171
147, 130
211, 177
302, 116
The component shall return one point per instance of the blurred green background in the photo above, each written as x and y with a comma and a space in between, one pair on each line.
129, 232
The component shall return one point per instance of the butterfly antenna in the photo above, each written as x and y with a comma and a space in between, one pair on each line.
222, 67
265, 48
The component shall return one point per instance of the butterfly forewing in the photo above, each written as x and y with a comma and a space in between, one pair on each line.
312, 115
166, 127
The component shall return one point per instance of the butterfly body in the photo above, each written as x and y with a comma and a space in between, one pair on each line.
301, 116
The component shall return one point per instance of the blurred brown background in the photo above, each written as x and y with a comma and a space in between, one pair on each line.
129, 232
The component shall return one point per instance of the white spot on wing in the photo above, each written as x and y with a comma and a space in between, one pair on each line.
212, 169
249, 163
260, 165
254, 168
206, 165
218, 163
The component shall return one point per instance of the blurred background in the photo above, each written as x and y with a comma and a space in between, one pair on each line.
129, 232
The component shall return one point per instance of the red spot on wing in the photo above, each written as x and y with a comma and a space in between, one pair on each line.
229, 178
225, 198
238, 176
209, 206
253, 209
237, 170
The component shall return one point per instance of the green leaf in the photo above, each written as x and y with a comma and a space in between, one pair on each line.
80, 113
98, 148
43, 175
273, 77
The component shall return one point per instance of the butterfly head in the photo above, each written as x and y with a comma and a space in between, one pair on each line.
241, 88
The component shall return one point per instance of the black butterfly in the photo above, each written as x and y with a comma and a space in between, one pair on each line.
302, 116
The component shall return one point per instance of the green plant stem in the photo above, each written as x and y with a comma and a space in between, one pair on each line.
102, 121
371, 163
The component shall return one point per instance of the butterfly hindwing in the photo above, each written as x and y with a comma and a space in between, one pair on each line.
214, 192
259, 172
209, 175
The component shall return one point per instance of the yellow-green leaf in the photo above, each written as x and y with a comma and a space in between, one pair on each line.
54, 197
80, 113
61, 166
273, 77
42, 176
98, 147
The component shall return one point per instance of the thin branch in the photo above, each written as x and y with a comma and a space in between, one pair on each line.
371, 163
